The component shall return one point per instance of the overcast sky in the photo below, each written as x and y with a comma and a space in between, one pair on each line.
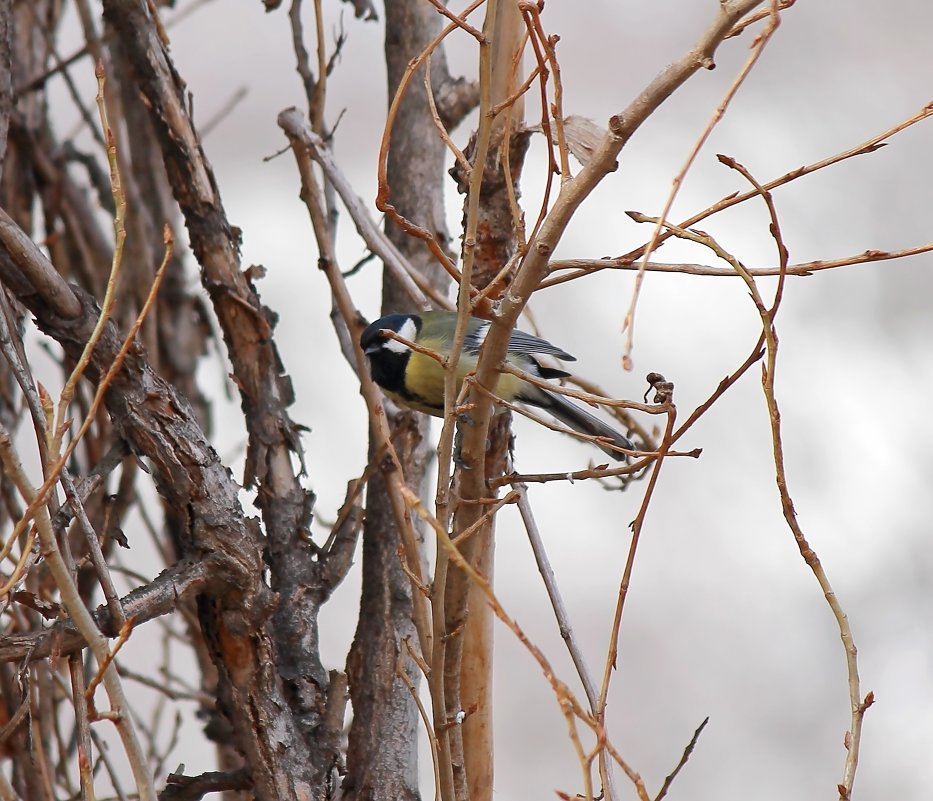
724, 619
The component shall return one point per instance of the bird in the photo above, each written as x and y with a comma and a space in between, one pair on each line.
416, 380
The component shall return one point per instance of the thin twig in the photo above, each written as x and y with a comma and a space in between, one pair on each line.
628, 324
225, 110
867, 147
438, 123
459, 22
553, 592
82, 727
125, 631
300, 136
569, 705
417, 287
669, 779
857, 705
637, 527
384, 191
119, 229
425, 717
804, 269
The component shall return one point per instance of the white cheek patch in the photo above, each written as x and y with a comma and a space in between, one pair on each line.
409, 331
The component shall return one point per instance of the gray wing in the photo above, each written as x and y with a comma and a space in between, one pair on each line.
521, 342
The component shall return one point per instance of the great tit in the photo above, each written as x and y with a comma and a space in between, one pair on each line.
416, 380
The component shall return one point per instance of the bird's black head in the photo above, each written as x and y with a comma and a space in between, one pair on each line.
388, 357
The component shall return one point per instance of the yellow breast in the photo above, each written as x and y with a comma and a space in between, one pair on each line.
424, 380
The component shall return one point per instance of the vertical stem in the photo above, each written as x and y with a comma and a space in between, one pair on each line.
82, 728
486, 249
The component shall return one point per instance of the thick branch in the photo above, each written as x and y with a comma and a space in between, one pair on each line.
161, 425
179, 787
36, 268
158, 597
265, 393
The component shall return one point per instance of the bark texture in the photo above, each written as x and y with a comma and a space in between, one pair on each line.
382, 758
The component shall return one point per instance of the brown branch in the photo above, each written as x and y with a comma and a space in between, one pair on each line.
439, 123
384, 190
455, 98
459, 22
572, 194
197, 486
857, 706
669, 779
160, 597
37, 269
244, 322
419, 289
751, 19
125, 630
179, 787
266, 394
808, 268
628, 324
735, 198
637, 528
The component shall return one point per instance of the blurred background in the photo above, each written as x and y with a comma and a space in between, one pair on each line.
724, 619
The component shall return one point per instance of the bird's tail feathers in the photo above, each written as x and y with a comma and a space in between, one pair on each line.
583, 422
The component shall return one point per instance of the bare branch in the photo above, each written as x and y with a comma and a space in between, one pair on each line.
535, 266
669, 779
37, 269
179, 787
160, 597
416, 285
804, 269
